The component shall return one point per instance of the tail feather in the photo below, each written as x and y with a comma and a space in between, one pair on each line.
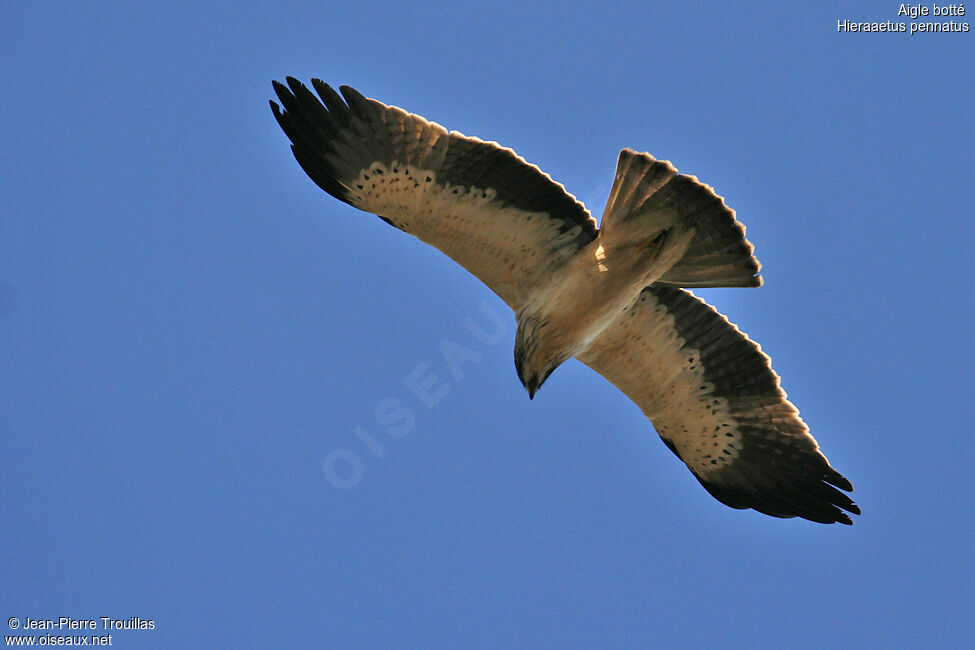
651, 190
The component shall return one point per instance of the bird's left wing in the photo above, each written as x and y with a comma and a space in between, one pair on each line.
713, 397
501, 218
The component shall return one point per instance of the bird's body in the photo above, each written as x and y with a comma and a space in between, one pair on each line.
612, 297
563, 317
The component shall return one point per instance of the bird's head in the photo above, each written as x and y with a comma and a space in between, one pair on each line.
536, 356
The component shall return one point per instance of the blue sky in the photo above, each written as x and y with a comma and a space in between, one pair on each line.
189, 328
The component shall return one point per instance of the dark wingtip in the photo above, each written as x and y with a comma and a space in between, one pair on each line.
279, 116
284, 95
318, 84
823, 505
332, 100
840, 481
350, 93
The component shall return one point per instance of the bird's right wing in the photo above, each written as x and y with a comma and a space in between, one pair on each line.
501, 218
713, 397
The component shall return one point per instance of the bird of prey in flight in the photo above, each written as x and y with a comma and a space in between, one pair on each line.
614, 297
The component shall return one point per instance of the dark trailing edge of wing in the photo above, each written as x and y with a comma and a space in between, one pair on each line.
779, 470
336, 137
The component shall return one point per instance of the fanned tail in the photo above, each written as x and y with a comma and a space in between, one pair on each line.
651, 192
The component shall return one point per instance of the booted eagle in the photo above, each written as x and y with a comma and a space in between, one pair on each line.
614, 297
